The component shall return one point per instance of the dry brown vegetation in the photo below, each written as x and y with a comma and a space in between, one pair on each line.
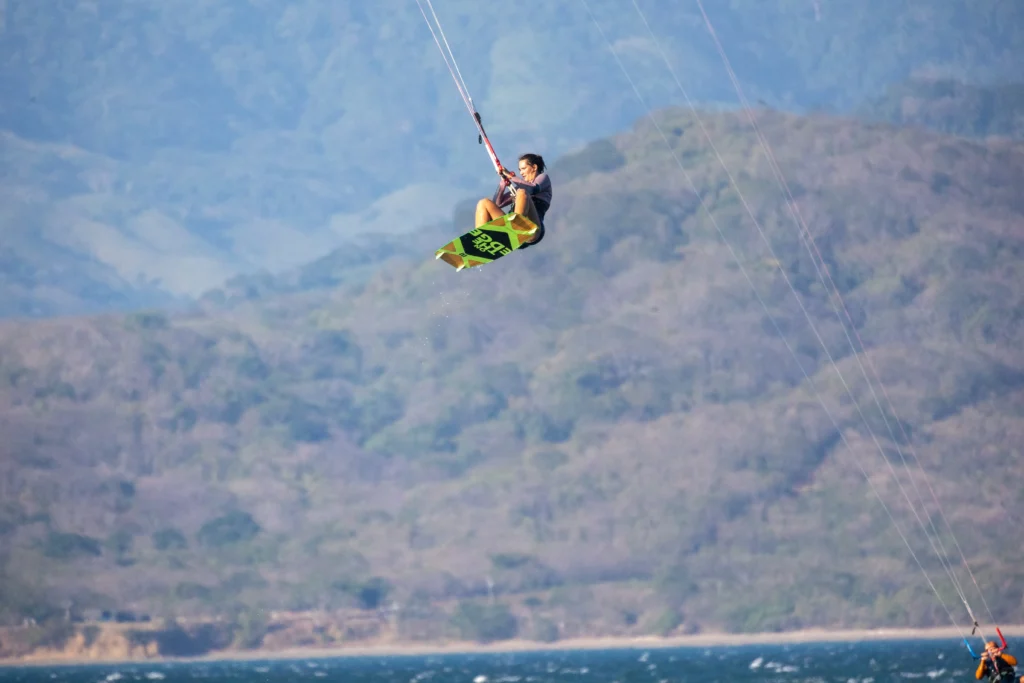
608, 426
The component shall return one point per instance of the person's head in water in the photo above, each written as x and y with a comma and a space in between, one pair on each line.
530, 166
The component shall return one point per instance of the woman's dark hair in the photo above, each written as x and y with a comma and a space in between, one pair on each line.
534, 160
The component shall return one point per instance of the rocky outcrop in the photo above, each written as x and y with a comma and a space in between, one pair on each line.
112, 642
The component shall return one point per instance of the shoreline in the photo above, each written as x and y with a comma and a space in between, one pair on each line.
804, 636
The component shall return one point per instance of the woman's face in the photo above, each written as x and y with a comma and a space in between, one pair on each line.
527, 171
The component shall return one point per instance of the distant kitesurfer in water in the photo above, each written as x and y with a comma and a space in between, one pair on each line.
532, 196
997, 665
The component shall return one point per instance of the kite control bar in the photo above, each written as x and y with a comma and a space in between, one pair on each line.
1002, 642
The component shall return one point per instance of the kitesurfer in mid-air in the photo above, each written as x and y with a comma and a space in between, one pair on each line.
532, 196
996, 665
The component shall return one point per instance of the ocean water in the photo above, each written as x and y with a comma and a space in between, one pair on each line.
876, 662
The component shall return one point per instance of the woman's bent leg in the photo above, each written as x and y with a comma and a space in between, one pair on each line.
525, 207
487, 211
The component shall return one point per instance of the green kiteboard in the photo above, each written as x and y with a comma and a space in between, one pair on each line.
487, 243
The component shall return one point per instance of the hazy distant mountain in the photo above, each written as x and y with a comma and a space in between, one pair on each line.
952, 107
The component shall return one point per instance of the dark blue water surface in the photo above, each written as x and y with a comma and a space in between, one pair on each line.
885, 662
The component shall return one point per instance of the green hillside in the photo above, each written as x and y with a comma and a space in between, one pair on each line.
606, 426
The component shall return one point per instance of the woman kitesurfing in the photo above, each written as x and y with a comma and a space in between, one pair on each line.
497, 230
531, 199
996, 665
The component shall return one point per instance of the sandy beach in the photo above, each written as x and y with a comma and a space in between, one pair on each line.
645, 642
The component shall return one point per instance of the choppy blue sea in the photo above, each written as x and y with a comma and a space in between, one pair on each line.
888, 662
